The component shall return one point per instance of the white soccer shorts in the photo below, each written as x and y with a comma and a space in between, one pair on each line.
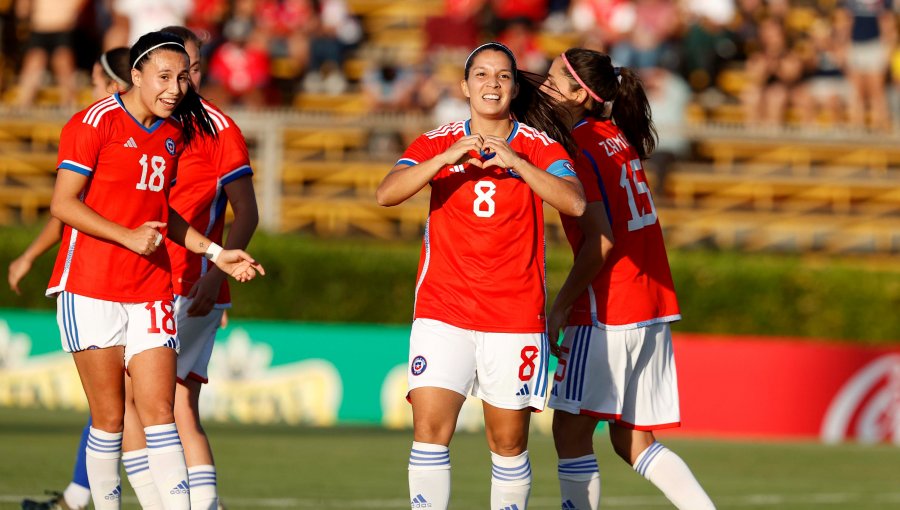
87, 323
196, 336
506, 370
627, 377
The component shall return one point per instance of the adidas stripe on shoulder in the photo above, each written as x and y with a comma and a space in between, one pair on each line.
96, 112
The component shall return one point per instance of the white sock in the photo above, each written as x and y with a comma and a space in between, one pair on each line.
510, 481
166, 456
137, 468
76, 496
429, 476
579, 483
673, 477
202, 480
102, 461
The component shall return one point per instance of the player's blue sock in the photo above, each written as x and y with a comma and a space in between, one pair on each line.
510, 481
102, 463
79, 473
429, 476
166, 456
579, 483
673, 477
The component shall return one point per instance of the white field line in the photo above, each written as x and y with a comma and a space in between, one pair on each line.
750, 501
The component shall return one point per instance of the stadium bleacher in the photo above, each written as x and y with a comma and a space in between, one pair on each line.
742, 187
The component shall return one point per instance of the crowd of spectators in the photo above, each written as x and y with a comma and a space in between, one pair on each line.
798, 61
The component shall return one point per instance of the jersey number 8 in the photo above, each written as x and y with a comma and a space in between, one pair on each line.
158, 164
484, 205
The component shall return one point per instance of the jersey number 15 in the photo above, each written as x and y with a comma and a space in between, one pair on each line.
639, 218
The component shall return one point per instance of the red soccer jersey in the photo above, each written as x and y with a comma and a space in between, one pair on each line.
635, 287
130, 169
482, 265
207, 165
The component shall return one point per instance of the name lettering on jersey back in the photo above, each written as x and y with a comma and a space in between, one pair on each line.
615, 145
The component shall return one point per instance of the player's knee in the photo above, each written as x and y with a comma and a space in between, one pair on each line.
155, 413
108, 422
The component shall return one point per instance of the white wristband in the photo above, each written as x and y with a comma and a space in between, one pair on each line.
212, 253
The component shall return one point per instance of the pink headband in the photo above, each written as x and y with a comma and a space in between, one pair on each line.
575, 75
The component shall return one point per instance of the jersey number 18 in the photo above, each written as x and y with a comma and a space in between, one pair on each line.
155, 182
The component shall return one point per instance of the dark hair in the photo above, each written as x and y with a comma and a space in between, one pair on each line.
622, 87
185, 33
532, 105
116, 65
190, 111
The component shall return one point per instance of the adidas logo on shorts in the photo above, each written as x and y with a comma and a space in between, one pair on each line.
568, 505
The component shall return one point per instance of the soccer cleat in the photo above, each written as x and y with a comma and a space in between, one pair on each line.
56, 503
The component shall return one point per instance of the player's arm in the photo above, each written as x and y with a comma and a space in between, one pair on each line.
598, 241
237, 263
404, 181
69, 209
246, 217
46, 239
564, 193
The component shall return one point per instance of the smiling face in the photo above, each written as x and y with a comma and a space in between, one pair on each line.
162, 82
491, 85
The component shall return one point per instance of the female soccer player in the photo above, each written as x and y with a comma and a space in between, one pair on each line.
115, 307
616, 361
111, 74
479, 321
212, 171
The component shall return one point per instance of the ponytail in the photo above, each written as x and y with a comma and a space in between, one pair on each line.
631, 113
619, 87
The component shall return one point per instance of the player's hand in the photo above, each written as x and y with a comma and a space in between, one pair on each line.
504, 156
556, 319
223, 323
203, 294
17, 270
145, 239
239, 265
460, 152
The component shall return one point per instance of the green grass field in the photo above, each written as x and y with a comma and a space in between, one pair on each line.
365, 468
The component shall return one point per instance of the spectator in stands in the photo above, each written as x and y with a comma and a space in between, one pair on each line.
239, 68
389, 87
333, 34
51, 23
134, 18
828, 87
707, 43
646, 41
775, 76
521, 37
669, 96
286, 26
601, 23
873, 34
